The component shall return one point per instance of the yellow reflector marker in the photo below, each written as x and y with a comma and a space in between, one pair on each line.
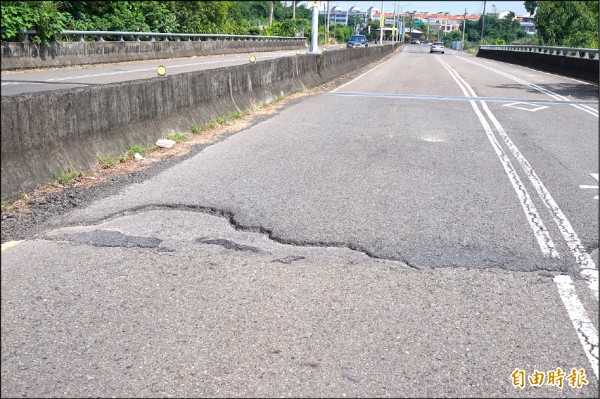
252, 58
297, 52
9, 244
162, 71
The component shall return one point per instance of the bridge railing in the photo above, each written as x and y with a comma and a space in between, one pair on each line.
590, 53
79, 36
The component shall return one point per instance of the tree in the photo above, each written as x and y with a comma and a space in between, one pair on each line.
567, 23
45, 17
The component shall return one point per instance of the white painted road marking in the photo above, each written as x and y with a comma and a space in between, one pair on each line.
585, 108
585, 261
587, 334
531, 214
266, 57
595, 176
9, 244
516, 105
360, 76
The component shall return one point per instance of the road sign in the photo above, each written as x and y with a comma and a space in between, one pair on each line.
315, 4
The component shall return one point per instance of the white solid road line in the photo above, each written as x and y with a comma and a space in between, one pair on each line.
585, 108
587, 334
151, 69
535, 221
583, 259
360, 76
9, 244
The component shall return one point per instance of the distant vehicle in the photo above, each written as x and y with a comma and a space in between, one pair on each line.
357, 41
414, 41
437, 47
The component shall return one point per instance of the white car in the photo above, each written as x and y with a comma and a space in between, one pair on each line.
437, 47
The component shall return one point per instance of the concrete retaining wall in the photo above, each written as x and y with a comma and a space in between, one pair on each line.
47, 131
580, 68
30, 55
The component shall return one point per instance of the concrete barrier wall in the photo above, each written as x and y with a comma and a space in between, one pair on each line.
45, 132
580, 68
30, 55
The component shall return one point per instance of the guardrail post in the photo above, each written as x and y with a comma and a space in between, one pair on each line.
79, 39
99, 38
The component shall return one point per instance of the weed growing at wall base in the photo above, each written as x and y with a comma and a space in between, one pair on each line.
68, 175
140, 149
177, 136
106, 161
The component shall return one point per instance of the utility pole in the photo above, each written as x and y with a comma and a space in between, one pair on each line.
411, 24
271, 14
327, 24
381, 24
462, 42
394, 25
482, 24
293, 10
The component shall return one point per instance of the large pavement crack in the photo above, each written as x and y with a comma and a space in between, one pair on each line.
230, 217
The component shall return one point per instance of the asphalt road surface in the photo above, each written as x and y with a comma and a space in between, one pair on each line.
429, 228
48, 79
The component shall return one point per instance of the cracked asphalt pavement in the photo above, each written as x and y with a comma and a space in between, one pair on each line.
367, 241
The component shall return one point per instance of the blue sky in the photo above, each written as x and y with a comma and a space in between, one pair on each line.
453, 7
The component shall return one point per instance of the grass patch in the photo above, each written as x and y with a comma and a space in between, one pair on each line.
69, 175
177, 137
277, 98
106, 161
7, 204
140, 149
211, 125
195, 129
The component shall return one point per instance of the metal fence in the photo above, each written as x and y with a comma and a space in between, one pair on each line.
80, 36
590, 53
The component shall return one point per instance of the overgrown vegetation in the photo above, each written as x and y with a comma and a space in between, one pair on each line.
49, 18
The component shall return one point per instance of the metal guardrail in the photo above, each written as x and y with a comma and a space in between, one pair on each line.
590, 53
80, 36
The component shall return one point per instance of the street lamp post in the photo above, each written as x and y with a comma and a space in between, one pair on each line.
402, 21
314, 42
